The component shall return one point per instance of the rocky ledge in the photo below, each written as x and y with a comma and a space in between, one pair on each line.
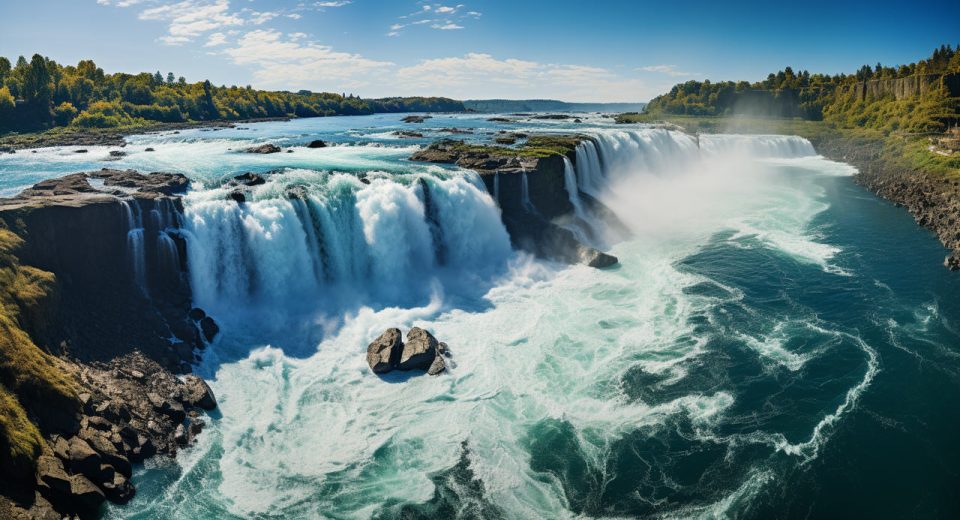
132, 409
541, 159
97, 319
933, 200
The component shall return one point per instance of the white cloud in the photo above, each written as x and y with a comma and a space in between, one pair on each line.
216, 39
191, 18
292, 63
294, 16
447, 18
477, 75
670, 70
339, 3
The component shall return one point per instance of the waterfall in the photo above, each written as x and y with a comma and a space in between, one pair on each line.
589, 170
496, 187
135, 243
167, 252
525, 194
384, 241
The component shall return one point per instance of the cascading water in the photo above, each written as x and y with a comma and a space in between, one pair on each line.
380, 240
525, 193
135, 243
589, 170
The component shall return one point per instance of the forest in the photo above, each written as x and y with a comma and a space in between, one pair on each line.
40, 94
833, 98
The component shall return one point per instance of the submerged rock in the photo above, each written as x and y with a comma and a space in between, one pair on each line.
249, 179
415, 119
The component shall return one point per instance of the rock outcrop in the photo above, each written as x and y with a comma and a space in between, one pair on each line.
107, 311
502, 170
111, 238
421, 351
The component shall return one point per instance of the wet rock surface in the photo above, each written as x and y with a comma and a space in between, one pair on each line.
263, 149
531, 226
421, 351
132, 409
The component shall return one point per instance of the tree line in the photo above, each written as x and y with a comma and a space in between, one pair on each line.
41, 94
821, 96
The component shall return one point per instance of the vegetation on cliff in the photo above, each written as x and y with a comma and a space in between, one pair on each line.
836, 99
41, 94
32, 383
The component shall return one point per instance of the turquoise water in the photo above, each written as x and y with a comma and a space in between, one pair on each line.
777, 342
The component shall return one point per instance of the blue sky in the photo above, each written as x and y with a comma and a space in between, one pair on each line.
562, 49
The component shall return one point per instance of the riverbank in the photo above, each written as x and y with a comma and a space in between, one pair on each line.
900, 168
73, 136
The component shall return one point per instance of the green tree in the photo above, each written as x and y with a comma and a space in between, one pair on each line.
170, 78
65, 113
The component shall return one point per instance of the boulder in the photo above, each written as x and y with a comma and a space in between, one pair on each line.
81, 458
148, 149
419, 351
51, 475
408, 134
316, 143
85, 495
118, 490
237, 196
263, 149
415, 119
197, 393
197, 314
117, 153
597, 259
384, 353
438, 365
952, 262
209, 328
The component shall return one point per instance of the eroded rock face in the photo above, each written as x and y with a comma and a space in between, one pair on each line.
384, 353
421, 351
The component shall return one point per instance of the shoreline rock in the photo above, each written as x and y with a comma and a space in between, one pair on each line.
933, 200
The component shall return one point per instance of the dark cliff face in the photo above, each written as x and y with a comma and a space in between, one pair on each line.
503, 171
97, 275
114, 296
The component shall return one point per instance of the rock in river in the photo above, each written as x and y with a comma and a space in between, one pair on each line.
384, 353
